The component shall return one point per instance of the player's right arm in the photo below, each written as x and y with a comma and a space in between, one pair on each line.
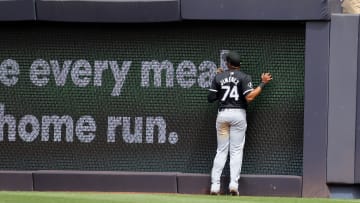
265, 79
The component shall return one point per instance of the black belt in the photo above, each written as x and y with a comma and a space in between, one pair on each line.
223, 109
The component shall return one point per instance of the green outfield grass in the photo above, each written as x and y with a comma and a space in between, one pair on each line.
72, 197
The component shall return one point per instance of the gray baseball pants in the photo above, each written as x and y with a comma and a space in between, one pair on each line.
231, 127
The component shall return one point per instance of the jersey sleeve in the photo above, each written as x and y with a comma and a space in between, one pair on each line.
213, 91
214, 87
247, 85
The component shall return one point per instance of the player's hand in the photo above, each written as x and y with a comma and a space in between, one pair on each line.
219, 70
266, 78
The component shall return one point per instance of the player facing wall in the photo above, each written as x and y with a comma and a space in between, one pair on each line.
133, 97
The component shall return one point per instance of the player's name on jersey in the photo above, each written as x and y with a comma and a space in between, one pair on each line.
83, 73
229, 79
29, 129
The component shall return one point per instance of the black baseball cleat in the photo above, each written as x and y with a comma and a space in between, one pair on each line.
215, 189
234, 192
214, 193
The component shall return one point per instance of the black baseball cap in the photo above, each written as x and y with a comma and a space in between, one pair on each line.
233, 58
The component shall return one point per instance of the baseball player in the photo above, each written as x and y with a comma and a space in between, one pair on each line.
234, 90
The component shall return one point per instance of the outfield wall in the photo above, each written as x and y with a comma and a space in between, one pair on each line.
81, 97
145, 182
